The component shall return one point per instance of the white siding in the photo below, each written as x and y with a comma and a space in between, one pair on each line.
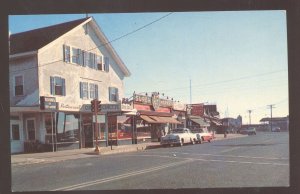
28, 68
51, 64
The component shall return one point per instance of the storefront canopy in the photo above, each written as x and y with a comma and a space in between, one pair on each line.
148, 119
171, 120
201, 122
216, 122
164, 119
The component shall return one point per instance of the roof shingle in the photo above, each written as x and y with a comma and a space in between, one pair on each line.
35, 39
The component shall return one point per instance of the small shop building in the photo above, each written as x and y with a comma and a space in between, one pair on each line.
155, 117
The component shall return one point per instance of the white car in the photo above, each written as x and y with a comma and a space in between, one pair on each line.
179, 136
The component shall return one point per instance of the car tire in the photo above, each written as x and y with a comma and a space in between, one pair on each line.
200, 140
192, 141
181, 143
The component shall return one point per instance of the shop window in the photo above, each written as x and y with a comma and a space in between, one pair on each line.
113, 94
84, 90
57, 86
19, 85
67, 127
15, 132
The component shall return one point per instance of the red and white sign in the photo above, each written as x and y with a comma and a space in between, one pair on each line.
197, 109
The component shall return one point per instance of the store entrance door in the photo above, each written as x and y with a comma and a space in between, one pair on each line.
88, 136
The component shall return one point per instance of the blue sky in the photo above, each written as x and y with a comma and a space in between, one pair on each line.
237, 60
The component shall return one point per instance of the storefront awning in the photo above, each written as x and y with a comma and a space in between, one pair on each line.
201, 122
148, 119
165, 119
216, 123
172, 120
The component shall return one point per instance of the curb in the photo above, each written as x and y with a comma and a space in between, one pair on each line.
91, 153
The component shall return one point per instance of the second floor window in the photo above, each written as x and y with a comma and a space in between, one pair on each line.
113, 94
19, 89
93, 91
88, 90
57, 86
84, 90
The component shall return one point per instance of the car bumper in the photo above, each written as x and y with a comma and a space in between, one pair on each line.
170, 141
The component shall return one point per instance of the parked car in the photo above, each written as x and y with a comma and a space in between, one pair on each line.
202, 134
275, 129
178, 136
248, 131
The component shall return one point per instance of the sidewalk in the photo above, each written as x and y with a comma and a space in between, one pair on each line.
50, 157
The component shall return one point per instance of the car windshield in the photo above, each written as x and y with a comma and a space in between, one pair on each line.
178, 130
197, 130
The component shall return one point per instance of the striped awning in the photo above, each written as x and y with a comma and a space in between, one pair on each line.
201, 122
148, 119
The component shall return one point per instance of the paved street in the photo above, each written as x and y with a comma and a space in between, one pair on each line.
261, 160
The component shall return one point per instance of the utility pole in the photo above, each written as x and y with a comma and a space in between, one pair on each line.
271, 107
249, 111
190, 91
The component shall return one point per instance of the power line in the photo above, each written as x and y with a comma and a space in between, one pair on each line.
229, 80
101, 45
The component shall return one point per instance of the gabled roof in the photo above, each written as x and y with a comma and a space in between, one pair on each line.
35, 39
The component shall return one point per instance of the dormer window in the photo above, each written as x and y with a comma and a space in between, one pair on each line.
75, 55
106, 64
67, 54
99, 62
85, 58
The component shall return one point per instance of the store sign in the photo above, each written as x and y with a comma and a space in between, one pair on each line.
166, 103
155, 101
197, 109
142, 99
48, 103
126, 107
69, 107
179, 106
110, 107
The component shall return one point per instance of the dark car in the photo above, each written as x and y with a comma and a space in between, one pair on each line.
276, 129
248, 131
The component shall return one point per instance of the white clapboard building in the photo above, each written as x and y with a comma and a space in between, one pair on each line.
68, 65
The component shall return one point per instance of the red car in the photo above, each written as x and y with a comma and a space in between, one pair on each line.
203, 135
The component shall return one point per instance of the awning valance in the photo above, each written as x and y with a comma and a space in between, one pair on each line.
171, 120
165, 119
